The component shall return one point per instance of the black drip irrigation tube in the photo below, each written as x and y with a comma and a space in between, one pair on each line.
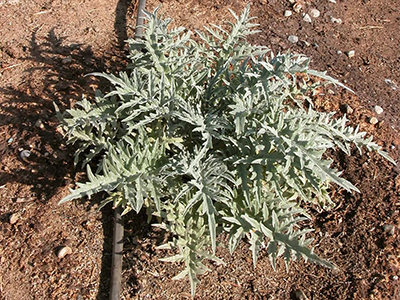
118, 230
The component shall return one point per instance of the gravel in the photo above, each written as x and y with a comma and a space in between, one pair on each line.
64, 251
373, 121
391, 84
14, 218
378, 109
315, 13
287, 13
293, 39
25, 154
351, 53
336, 20
297, 7
307, 18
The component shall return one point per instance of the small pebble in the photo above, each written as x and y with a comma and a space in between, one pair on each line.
293, 39
395, 277
67, 60
349, 110
25, 154
64, 251
388, 228
336, 20
314, 13
287, 13
351, 53
39, 124
297, 7
339, 52
10, 140
14, 218
306, 18
378, 109
332, 1
391, 84
373, 121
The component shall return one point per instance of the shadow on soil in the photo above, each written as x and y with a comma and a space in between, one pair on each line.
31, 118
28, 114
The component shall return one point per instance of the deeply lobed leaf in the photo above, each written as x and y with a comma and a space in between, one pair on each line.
212, 137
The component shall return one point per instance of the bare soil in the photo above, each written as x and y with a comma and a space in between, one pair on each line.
46, 48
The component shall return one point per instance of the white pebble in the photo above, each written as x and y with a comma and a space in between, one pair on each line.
378, 109
314, 13
351, 53
306, 18
25, 154
293, 39
287, 13
339, 52
373, 121
391, 84
14, 218
64, 251
336, 20
332, 1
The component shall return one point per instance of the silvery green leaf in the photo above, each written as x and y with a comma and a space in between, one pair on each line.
328, 78
213, 135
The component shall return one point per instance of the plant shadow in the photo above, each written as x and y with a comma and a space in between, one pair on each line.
28, 119
28, 113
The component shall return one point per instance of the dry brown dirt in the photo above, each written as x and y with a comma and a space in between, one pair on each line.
46, 48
